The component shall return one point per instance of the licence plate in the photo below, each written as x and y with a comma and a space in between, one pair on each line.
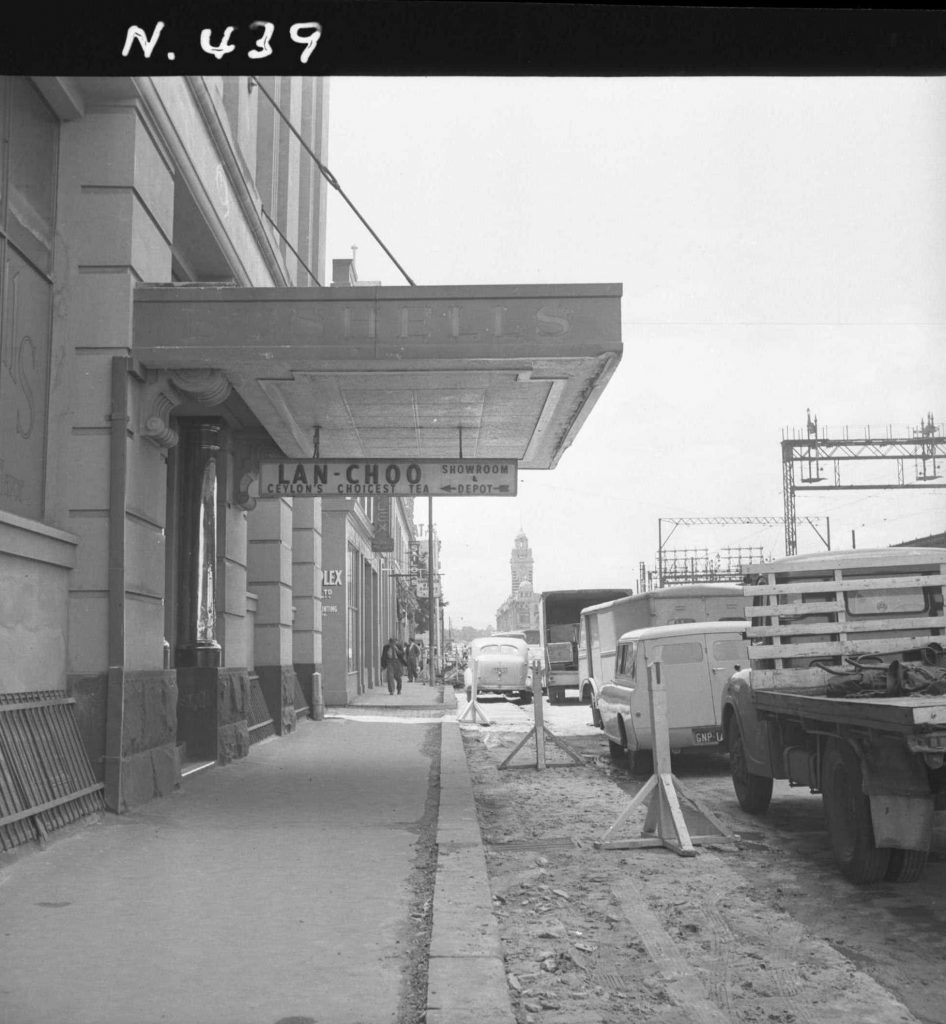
706, 736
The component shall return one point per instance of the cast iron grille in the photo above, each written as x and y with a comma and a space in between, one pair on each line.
301, 704
46, 780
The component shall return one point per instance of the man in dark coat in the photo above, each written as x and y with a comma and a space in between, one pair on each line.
390, 665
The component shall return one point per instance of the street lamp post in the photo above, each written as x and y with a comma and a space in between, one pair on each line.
435, 662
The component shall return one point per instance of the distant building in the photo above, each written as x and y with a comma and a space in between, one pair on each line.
521, 609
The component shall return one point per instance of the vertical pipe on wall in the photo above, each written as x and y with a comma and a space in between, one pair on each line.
117, 490
431, 621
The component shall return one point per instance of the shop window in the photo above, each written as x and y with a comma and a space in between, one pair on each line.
28, 179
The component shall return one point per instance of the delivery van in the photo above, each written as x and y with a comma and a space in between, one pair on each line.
602, 624
696, 661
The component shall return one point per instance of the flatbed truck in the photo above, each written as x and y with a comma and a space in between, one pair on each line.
845, 693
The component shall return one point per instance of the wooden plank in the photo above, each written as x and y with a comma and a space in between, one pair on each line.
851, 626
772, 611
850, 583
788, 678
894, 714
838, 648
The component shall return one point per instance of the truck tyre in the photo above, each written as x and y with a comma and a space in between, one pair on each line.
754, 792
847, 810
616, 751
906, 865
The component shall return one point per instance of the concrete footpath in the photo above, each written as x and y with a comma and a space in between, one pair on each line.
280, 889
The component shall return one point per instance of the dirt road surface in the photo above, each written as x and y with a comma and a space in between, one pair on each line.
758, 927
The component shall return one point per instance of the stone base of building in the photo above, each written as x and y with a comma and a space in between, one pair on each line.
212, 710
128, 724
278, 683
309, 675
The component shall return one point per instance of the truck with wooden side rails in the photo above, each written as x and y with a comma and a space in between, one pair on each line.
845, 693
603, 624
559, 625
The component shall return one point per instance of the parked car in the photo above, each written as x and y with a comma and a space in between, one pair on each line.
696, 660
536, 652
500, 664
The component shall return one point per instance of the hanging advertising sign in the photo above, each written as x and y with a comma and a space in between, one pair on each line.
356, 478
382, 541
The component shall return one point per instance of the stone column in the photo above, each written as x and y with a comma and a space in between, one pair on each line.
197, 554
269, 576
307, 594
212, 701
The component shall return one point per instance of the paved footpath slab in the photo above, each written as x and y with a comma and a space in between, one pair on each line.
276, 888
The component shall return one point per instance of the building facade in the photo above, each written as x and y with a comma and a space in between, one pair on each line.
166, 331
137, 573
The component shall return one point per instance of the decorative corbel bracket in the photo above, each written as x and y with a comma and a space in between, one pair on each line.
158, 400
164, 390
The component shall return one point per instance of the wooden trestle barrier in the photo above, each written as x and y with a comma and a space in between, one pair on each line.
667, 803
472, 712
541, 733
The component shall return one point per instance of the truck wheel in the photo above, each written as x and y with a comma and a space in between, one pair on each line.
640, 762
906, 865
616, 751
847, 810
754, 792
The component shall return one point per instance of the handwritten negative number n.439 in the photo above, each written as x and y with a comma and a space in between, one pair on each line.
305, 33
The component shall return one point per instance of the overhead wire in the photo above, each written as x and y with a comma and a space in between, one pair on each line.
329, 177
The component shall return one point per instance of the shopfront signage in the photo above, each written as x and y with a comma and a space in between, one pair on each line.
354, 478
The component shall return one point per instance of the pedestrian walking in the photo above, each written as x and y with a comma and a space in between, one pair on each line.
400, 665
390, 663
413, 661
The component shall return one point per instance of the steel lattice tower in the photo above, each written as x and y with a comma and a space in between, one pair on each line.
926, 447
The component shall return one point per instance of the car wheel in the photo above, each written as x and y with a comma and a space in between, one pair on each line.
847, 810
754, 792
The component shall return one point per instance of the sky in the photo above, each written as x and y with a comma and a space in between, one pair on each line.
781, 243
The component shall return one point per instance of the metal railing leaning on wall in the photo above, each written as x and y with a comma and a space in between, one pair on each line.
46, 780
